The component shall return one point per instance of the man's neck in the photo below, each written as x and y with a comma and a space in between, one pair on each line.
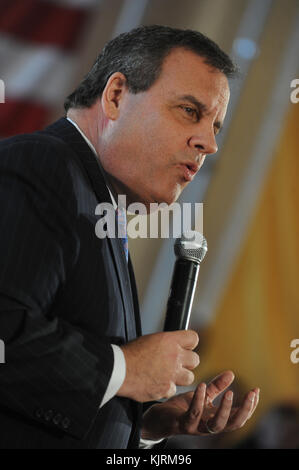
113, 193
86, 120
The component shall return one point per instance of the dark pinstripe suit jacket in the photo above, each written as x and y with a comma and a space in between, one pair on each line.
65, 296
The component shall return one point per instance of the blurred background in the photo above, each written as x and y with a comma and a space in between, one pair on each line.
246, 309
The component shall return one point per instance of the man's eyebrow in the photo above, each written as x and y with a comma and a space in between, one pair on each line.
201, 108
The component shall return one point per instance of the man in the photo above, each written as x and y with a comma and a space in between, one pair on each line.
140, 124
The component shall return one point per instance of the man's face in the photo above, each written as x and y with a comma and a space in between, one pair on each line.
161, 137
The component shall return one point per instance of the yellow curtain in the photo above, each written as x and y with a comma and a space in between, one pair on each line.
258, 315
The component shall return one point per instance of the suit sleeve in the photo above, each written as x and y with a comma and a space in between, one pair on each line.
54, 372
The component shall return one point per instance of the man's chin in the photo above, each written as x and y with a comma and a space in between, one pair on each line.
160, 203
153, 202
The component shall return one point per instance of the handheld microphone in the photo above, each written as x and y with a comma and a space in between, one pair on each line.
190, 250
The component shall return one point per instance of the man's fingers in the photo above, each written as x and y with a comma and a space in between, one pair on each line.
190, 360
188, 339
243, 413
192, 417
171, 391
218, 385
185, 378
218, 423
256, 401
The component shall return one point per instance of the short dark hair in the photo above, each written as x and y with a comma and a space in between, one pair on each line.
139, 55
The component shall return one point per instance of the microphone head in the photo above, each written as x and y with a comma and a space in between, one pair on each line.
192, 245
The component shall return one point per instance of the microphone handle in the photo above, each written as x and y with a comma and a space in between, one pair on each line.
181, 295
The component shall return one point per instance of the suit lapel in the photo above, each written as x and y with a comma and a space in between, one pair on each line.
67, 132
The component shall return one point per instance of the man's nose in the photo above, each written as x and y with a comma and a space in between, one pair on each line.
204, 141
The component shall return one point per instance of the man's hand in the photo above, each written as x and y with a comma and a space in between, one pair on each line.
157, 363
193, 413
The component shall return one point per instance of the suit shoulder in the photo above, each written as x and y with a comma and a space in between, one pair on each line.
33, 145
42, 163
41, 153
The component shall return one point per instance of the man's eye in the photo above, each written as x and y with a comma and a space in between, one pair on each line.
191, 112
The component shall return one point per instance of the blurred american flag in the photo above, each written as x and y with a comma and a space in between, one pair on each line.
38, 44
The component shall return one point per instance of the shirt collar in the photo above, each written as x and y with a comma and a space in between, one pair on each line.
96, 155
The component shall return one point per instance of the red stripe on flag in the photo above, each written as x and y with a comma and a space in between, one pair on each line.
18, 117
41, 22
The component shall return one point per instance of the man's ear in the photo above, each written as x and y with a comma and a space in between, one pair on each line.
113, 94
